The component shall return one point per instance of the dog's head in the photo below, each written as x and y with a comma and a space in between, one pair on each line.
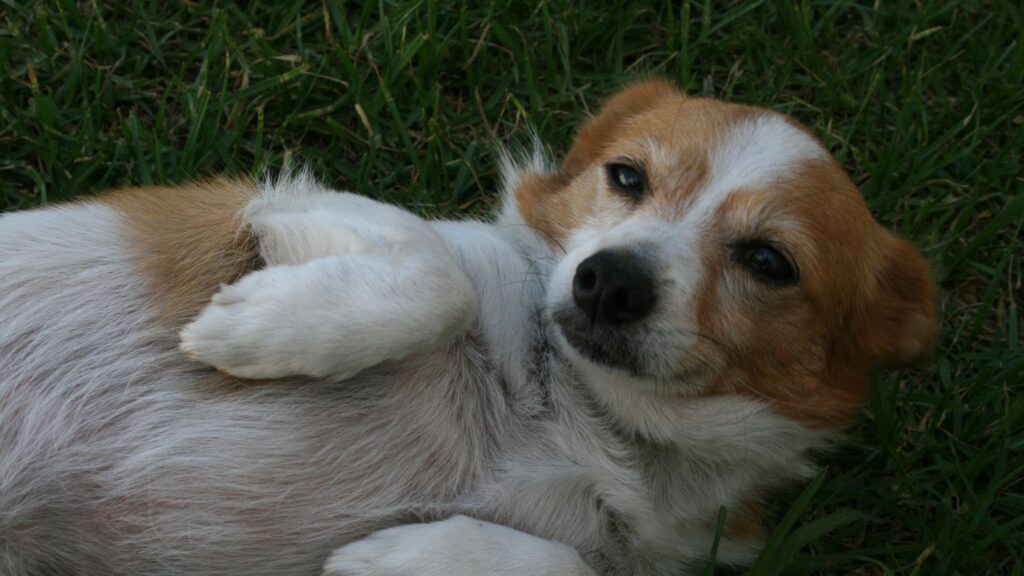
708, 248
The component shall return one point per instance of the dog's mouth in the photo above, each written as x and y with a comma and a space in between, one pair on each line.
629, 349
611, 347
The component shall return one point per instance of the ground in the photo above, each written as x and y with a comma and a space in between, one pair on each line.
407, 100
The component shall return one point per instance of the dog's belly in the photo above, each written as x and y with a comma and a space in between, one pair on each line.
117, 455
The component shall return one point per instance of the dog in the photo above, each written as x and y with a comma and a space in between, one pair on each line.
274, 378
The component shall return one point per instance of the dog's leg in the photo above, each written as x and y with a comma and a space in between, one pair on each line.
351, 283
294, 228
459, 546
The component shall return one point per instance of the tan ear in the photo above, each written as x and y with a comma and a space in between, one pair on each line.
902, 323
541, 206
596, 133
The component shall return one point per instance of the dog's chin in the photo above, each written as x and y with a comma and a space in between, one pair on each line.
610, 348
612, 356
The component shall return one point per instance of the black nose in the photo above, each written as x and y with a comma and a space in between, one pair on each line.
613, 287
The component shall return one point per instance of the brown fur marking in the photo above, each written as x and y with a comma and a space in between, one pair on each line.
595, 135
745, 523
190, 240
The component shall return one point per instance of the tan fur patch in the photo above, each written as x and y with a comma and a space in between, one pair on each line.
860, 306
745, 523
543, 208
595, 135
190, 240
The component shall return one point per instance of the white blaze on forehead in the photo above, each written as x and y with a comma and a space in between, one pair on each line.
756, 152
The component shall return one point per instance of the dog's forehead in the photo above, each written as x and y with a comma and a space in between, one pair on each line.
700, 153
740, 146
758, 151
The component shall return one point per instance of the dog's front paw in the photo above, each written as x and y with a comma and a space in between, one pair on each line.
332, 317
411, 550
458, 546
238, 331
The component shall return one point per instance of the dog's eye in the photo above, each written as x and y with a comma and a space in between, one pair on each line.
766, 263
627, 179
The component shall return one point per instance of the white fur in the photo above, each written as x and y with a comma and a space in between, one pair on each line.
115, 460
459, 545
756, 153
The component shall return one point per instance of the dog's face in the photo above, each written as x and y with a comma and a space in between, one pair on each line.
712, 248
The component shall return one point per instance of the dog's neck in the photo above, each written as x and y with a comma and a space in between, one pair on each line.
666, 467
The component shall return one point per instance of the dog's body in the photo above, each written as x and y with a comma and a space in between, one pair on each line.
425, 370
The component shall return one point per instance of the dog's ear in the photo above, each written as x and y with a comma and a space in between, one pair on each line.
597, 133
900, 323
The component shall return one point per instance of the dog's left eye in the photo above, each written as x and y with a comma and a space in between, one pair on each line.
627, 179
767, 263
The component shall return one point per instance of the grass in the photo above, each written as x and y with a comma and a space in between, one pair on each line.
403, 101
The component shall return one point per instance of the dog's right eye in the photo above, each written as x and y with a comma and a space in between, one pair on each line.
627, 179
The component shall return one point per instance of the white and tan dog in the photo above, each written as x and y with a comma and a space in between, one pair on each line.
668, 323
